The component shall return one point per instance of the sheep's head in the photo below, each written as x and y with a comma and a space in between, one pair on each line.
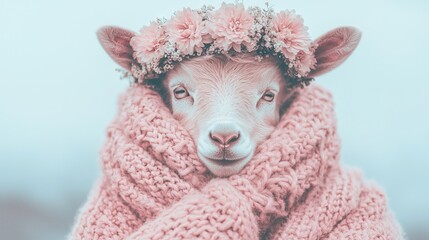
230, 104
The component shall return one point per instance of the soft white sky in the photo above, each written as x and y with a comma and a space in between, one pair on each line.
58, 92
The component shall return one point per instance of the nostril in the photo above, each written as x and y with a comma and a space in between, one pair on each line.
232, 138
216, 138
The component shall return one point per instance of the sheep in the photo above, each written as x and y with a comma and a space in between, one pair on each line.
229, 104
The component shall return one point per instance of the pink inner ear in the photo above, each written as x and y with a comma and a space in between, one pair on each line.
116, 42
334, 48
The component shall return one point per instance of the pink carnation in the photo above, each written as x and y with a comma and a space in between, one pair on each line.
289, 29
185, 29
230, 26
149, 44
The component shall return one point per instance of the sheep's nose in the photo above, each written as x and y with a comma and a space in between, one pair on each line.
224, 134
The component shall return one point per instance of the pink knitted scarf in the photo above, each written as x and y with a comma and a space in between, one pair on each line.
154, 186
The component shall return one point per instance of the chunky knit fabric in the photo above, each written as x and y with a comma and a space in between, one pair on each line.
153, 185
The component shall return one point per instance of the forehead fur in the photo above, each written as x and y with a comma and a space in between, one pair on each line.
219, 68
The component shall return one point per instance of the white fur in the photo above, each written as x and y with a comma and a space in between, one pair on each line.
229, 92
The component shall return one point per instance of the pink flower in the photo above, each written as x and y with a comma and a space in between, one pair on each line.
305, 62
230, 26
289, 29
149, 44
185, 29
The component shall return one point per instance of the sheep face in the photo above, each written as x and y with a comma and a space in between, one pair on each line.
228, 105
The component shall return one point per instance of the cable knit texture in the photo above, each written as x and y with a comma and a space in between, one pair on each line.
153, 185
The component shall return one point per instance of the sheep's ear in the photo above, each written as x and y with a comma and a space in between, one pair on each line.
116, 42
334, 48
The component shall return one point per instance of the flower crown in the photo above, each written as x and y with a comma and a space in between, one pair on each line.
229, 30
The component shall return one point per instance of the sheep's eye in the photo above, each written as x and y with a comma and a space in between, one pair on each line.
268, 96
180, 92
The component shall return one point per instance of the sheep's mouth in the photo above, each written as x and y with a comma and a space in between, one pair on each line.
226, 162
225, 167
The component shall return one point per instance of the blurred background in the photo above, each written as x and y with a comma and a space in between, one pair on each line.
58, 93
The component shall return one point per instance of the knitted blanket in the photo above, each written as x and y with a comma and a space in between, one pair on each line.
153, 185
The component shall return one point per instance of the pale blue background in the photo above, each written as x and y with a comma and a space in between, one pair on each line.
58, 92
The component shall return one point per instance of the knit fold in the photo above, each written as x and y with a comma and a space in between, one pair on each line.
153, 185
